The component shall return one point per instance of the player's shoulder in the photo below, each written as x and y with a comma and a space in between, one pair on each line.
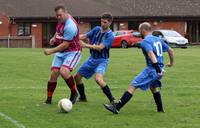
147, 41
98, 28
70, 22
150, 37
110, 33
70, 25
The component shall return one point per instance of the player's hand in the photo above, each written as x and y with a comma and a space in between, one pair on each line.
84, 45
169, 65
51, 42
59, 37
47, 51
161, 74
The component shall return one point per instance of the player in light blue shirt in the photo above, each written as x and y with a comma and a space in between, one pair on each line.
153, 48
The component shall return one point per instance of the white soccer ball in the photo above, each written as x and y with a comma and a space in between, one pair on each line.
65, 105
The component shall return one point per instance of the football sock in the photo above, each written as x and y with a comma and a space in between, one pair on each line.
158, 101
81, 90
50, 89
124, 99
71, 84
107, 92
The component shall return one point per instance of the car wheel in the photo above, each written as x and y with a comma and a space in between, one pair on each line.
124, 44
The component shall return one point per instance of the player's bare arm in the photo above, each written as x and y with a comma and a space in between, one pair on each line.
59, 48
155, 62
171, 57
84, 43
95, 47
83, 37
152, 57
52, 40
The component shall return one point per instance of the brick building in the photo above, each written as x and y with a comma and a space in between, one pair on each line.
36, 18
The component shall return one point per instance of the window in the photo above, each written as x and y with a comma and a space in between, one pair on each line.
119, 33
94, 24
115, 26
24, 29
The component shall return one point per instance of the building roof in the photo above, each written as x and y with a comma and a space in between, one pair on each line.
94, 8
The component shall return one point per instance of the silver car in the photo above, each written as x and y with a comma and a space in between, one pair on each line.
172, 38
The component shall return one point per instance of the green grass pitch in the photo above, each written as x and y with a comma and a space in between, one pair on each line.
24, 74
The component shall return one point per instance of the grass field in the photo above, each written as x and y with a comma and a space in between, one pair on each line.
24, 74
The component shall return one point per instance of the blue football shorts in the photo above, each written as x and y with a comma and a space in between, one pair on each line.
92, 66
148, 77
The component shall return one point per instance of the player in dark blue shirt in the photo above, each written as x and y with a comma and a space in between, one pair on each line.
153, 48
100, 40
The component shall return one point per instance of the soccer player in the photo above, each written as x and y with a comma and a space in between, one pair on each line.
153, 48
100, 40
68, 52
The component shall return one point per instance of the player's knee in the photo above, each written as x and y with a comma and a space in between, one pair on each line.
65, 72
131, 89
54, 75
98, 79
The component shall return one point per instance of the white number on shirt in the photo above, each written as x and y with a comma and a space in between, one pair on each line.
158, 47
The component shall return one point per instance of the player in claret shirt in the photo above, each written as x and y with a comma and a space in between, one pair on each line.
67, 53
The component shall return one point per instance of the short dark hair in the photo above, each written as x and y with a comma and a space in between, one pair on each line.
58, 7
108, 16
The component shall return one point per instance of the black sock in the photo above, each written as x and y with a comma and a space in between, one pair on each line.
124, 99
81, 91
158, 101
107, 92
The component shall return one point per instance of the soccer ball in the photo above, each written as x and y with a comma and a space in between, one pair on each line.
65, 105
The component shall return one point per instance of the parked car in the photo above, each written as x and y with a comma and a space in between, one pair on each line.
172, 38
126, 38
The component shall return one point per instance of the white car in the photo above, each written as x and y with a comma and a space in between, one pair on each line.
172, 38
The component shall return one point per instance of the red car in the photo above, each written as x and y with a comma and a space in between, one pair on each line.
126, 38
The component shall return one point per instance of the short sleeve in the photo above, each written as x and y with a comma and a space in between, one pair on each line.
70, 31
165, 47
146, 46
109, 38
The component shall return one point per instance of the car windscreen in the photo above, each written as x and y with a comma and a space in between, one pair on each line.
119, 33
171, 34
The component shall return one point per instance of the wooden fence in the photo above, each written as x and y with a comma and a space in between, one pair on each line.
17, 41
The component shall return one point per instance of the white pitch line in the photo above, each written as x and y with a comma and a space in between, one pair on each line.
18, 125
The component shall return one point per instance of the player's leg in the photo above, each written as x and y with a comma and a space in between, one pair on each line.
80, 87
69, 80
99, 78
105, 88
126, 97
157, 96
70, 62
141, 81
51, 85
115, 108
86, 70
